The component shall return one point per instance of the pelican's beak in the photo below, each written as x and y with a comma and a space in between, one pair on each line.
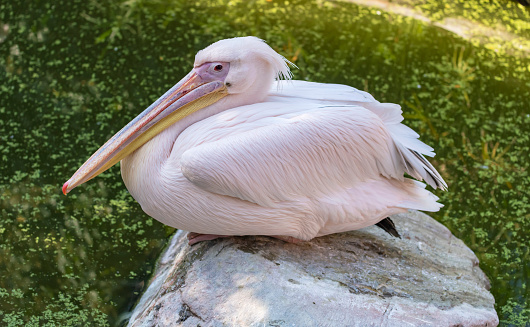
193, 92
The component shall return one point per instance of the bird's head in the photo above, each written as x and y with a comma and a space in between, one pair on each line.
240, 69
246, 65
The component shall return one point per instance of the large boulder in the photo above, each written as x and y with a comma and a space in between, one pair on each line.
358, 278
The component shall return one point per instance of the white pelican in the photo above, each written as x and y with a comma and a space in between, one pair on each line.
230, 151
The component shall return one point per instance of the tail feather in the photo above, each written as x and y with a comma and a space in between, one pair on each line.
421, 199
418, 167
431, 171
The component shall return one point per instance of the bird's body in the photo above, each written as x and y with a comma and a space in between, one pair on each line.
296, 159
302, 163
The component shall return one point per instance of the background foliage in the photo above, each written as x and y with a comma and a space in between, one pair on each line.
74, 72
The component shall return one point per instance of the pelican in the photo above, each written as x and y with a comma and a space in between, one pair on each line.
238, 148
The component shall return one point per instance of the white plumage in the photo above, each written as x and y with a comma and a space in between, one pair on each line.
298, 159
230, 151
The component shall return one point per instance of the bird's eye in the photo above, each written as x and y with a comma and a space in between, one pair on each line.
218, 68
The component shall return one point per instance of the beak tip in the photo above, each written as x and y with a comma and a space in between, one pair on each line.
65, 188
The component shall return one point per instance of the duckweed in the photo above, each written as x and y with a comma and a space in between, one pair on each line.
73, 72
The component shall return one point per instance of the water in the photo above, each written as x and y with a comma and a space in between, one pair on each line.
74, 72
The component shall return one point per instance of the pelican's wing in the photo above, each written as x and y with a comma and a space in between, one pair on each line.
337, 93
309, 150
410, 148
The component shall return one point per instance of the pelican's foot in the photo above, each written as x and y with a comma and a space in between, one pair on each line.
194, 238
197, 237
288, 239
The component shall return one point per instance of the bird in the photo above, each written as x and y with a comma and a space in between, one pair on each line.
237, 147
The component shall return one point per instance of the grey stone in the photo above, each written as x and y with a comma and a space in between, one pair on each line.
358, 278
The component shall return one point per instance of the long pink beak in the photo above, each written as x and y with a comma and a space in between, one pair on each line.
193, 92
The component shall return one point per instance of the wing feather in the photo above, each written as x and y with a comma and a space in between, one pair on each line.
316, 151
411, 149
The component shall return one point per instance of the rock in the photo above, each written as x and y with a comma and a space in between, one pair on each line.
358, 278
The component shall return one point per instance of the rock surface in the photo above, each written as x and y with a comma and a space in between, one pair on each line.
358, 278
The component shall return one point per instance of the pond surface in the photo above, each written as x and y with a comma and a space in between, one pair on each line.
74, 72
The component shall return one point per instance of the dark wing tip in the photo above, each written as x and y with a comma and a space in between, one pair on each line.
388, 226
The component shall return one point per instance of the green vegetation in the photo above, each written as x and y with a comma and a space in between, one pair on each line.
500, 25
73, 72
505, 14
